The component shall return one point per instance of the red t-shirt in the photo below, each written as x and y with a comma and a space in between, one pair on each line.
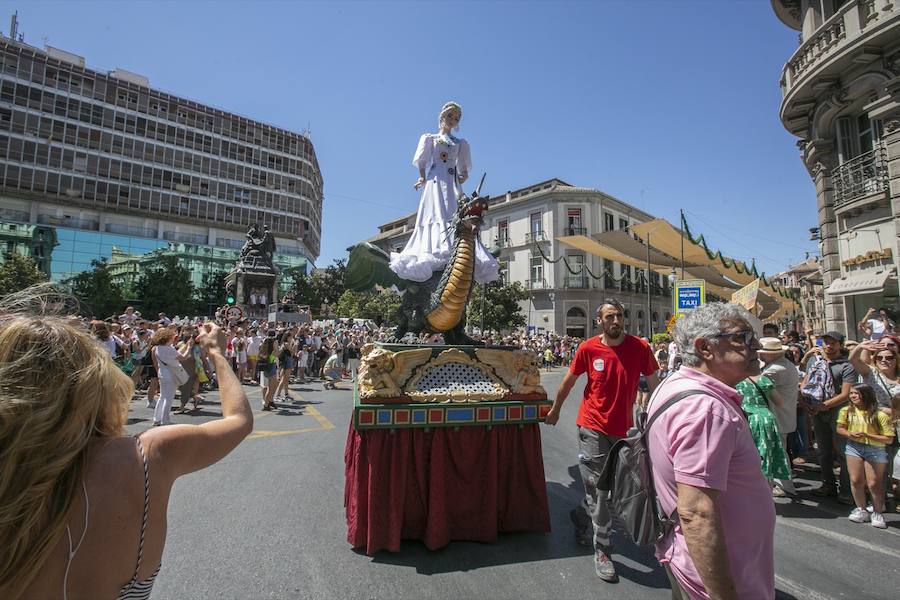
613, 374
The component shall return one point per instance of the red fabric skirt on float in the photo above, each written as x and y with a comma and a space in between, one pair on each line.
439, 485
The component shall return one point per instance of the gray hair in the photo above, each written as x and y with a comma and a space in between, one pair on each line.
705, 322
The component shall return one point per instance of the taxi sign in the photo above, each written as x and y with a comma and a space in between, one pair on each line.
689, 294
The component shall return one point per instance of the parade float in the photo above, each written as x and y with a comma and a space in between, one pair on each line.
444, 442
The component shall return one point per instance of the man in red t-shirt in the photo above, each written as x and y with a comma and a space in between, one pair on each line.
614, 362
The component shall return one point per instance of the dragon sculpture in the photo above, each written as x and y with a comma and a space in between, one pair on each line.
437, 305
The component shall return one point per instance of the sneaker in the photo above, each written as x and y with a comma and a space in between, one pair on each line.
859, 515
603, 565
777, 492
878, 520
870, 509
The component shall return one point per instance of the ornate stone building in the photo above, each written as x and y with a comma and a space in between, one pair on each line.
526, 224
841, 97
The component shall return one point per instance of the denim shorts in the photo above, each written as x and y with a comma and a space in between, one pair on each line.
872, 454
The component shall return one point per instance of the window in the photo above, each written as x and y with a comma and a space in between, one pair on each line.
536, 225
503, 233
537, 269
573, 222
608, 222
856, 135
504, 272
623, 224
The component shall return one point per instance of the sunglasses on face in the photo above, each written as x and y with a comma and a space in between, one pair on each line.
885, 358
746, 337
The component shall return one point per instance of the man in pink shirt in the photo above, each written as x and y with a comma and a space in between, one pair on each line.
706, 467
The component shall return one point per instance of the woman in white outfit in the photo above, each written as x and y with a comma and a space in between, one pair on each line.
444, 162
166, 359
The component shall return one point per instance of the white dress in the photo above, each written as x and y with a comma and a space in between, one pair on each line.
431, 243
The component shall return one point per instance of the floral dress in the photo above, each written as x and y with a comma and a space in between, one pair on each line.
764, 428
431, 243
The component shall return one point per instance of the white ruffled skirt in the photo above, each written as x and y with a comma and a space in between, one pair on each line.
431, 243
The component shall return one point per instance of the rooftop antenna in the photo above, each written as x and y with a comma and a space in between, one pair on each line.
14, 25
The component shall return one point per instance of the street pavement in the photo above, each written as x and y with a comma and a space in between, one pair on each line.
268, 522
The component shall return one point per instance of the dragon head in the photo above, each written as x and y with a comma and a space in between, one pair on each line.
470, 211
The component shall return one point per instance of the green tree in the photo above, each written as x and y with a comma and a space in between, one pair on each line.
211, 295
165, 286
18, 272
99, 295
498, 306
322, 286
381, 307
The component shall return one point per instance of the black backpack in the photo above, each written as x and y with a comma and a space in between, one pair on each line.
629, 477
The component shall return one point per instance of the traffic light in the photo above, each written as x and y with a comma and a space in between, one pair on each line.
229, 299
230, 295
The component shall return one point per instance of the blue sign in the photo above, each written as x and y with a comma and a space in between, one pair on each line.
688, 298
689, 295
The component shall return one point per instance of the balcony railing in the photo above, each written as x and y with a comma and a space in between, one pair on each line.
535, 236
18, 216
503, 242
69, 222
538, 284
575, 231
130, 230
577, 282
187, 238
849, 23
864, 175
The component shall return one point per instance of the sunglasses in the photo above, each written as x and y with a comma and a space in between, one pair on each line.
885, 358
747, 337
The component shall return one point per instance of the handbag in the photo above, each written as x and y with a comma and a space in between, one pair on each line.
181, 376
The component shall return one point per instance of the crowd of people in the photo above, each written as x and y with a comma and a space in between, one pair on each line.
736, 410
750, 409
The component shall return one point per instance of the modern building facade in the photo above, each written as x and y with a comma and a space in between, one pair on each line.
841, 97
106, 166
526, 223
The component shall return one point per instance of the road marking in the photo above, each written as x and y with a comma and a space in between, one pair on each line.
839, 537
262, 434
324, 425
798, 590
320, 418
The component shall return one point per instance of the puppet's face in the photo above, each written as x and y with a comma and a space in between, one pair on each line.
451, 119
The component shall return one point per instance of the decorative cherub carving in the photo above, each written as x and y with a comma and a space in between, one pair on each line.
518, 369
382, 373
528, 378
375, 373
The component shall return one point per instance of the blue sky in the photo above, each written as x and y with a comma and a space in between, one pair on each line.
664, 104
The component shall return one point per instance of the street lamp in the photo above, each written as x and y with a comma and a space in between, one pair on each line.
672, 278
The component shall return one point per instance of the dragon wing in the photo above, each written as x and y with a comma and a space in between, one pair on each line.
406, 361
368, 267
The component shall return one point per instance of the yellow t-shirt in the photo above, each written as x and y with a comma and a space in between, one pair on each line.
854, 420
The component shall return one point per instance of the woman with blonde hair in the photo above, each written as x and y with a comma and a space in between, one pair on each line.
82, 508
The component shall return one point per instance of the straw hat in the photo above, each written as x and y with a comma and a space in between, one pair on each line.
771, 347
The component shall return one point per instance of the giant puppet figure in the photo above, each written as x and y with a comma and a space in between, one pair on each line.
444, 255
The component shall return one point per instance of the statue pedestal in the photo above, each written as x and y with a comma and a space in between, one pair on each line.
444, 444
254, 292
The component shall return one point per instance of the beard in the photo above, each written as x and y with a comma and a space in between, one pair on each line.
614, 331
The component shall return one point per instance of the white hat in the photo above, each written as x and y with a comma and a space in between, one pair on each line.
771, 345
